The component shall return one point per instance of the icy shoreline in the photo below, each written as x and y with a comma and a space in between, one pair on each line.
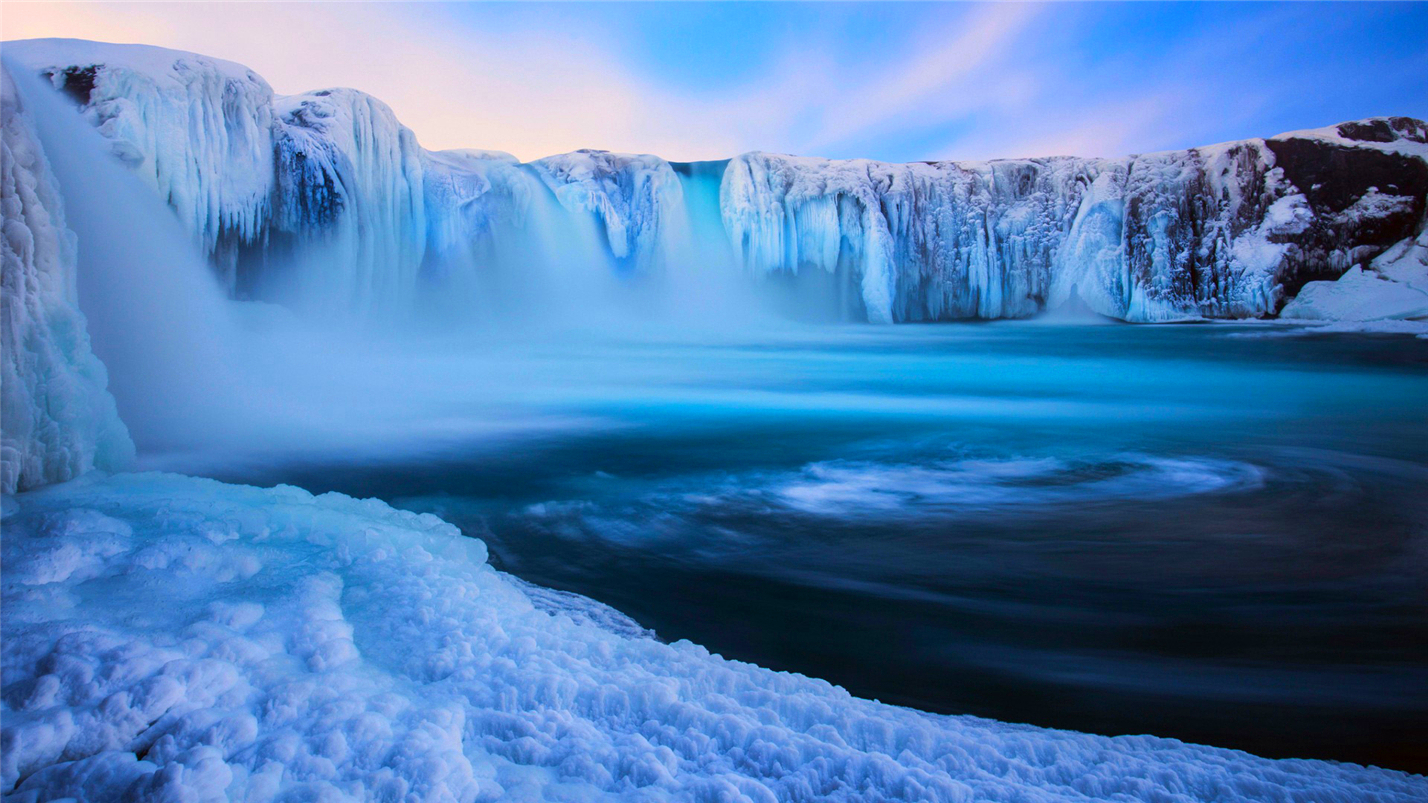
178, 638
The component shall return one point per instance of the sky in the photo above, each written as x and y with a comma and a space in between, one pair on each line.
889, 81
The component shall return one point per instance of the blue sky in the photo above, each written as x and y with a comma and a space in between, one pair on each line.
893, 81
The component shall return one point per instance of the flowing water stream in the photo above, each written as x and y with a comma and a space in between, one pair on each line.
1212, 532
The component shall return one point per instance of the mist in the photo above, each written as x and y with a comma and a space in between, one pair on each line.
506, 333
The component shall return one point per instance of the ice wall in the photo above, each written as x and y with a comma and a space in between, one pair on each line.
57, 419
638, 201
325, 200
1228, 231
351, 197
197, 129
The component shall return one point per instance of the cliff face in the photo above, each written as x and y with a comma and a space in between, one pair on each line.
1226, 231
327, 199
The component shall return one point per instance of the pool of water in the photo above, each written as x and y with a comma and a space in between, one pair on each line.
1217, 533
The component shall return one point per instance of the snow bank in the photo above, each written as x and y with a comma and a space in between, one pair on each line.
1394, 286
180, 639
59, 419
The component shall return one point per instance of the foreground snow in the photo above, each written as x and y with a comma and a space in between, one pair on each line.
168, 638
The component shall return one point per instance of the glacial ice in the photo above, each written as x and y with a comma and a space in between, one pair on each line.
169, 638
325, 199
59, 419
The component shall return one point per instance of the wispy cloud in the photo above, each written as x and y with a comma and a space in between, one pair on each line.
895, 82
938, 78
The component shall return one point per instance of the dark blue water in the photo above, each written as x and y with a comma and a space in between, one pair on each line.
1215, 533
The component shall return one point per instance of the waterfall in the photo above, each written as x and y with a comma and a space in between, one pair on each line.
157, 317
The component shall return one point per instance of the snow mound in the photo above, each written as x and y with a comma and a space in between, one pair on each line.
59, 419
1394, 286
169, 638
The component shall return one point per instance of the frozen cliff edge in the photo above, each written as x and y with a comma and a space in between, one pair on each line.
1228, 231
262, 644
59, 419
325, 197
322, 199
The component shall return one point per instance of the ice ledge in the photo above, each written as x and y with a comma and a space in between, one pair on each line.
176, 638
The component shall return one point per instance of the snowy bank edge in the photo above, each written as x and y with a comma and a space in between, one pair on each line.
166, 635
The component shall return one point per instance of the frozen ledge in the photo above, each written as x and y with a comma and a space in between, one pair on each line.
181, 639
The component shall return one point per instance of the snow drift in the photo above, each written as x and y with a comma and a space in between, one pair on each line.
328, 193
168, 638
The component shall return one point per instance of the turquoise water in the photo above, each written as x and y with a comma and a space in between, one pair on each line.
1214, 532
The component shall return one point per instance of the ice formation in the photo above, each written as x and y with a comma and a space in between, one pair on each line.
1228, 231
331, 183
199, 130
168, 638
638, 200
59, 419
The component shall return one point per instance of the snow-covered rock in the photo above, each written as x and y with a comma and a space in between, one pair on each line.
168, 638
58, 418
1394, 286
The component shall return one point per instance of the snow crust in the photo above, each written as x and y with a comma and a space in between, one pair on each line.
59, 419
326, 196
169, 638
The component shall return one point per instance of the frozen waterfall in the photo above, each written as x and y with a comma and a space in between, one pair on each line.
324, 201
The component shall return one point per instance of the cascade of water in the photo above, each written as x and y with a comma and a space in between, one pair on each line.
157, 316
